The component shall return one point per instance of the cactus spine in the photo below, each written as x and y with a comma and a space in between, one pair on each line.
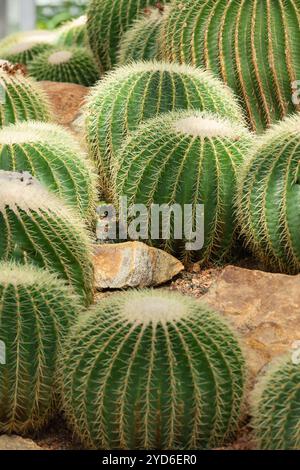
252, 45
268, 197
52, 156
186, 158
36, 227
276, 407
107, 21
142, 40
25, 52
65, 64
154, 370
36, 312
137, 92
73, 33
21, 99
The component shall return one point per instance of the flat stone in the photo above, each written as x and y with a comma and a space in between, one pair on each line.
17, 443
133, 264
263, 307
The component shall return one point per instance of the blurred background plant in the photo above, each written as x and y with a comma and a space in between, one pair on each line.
51, 14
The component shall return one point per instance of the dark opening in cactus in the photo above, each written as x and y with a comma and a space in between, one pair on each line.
134, 93
21, 99
276, 407
154, 370
52, 156
36, 311
252, 45
186, 158
65, 64
107, 21
37, 228
269, 197
73, 33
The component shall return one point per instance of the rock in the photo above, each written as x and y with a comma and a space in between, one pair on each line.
265, 309
17, 443
133, 264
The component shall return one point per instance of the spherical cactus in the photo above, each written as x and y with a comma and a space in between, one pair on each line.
25, 52
107, 21
154, 370
36, 36
73, 33
276, 407
52, 156
36, 227
142, 40
21, 99
185, 158
137, 92
251, 45
65, 64
268, 197
36, 311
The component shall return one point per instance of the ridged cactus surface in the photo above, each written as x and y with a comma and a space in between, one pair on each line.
186, 158
65, 64
268, 197
36, 312
21, 99
276, 407
35, 36
154, 370
25, 52
73, 33
50, 154
107, 22
134, 93
253, 45
37, 228
142, 40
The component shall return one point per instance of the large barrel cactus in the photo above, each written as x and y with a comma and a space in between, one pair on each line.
65, 64
154, 370
107, 22
36, 312
269, 197
51, 155
276, 407
35, 36
73, 33
185, 158
25, 52
37, 228
252, 45
142, 40
134, 93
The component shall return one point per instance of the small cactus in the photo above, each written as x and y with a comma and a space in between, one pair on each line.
65, 64
142, 40
36, 312
251, 45
155, 370
21, 99
36, 227
107, 22
276, 407
268, 197
186, 158
25, 52
52, 156
73, 33
134, 93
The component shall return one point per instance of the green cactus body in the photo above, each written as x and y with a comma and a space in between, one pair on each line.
25, 52
73, 33
137, 92
268, 197
21, 99
142, 40
155, 370
252, 45
186, 158
36, 312
107, 22
50, 154
69, 65
276, 407
37, 228
36, 36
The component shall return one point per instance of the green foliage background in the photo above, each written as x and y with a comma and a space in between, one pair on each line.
51, 16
